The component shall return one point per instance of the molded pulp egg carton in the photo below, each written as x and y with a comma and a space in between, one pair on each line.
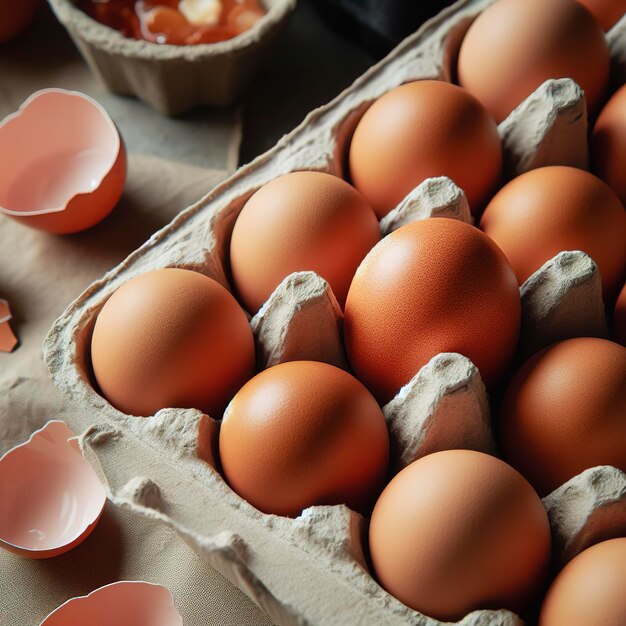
312, 569
174, 79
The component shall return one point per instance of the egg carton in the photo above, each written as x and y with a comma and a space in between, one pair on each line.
313, 569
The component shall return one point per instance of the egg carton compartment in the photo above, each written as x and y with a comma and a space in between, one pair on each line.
312, 569
587, 509
175, 79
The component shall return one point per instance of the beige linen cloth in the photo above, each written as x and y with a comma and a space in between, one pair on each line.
41, 274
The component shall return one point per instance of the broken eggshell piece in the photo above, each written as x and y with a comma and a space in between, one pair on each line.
51, 497
68, 162
125, 603
8, 340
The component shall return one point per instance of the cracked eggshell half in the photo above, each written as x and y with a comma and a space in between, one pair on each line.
51, 497
124, 603
68, 162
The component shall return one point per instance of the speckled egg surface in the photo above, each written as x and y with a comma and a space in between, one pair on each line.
437, 285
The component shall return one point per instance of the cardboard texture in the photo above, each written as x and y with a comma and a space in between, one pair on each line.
310, 570
49, 466
175, 79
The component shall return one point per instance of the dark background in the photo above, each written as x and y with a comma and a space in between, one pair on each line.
329, 43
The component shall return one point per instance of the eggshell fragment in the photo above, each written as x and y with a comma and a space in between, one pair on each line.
304, 433
73, 179
435, 285
457, 531
301, 321
51, 497
513, 46
561, 300
565, 411
591, 589
124, 603
297, 222
588, 508
443, 407
608, 144
8, 340
421, 130
435, 197
616, 39
548, 128
553, 209
171, 338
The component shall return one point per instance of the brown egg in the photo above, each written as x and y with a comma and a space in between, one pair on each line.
304, 433
458, 531
516, 45
606, 12
565, 411
553, 209
171, 338
421, 130
300, 221
437, 285
608, 144
619, 318
590, 590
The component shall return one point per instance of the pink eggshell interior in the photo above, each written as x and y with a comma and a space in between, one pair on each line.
49, 492
61, 144
121, 604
